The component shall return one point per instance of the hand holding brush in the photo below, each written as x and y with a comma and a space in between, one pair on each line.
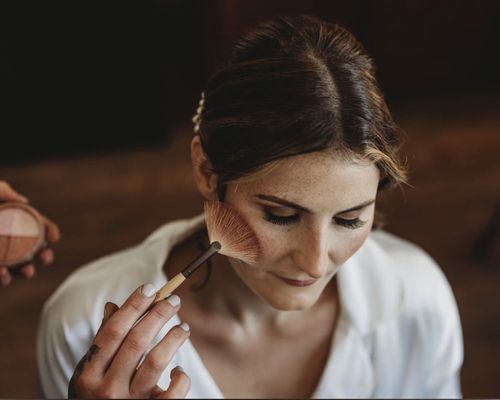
112, 366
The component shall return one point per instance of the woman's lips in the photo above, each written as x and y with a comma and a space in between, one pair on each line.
295, 282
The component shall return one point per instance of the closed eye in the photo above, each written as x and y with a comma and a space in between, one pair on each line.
278, 220
292, 219
350, 223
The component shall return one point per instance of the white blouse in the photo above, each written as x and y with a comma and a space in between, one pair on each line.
398, 332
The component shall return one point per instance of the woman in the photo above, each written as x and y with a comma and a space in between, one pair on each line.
295, 135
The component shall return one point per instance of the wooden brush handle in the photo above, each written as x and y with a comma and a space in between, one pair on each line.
174, 283
169, 287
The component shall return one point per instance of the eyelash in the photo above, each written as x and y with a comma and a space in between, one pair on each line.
284, 221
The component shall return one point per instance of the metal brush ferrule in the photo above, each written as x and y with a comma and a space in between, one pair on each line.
209, 252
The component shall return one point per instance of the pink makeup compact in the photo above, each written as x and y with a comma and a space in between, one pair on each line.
22, 233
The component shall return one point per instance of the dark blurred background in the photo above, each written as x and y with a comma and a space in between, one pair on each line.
96, 100
83, 76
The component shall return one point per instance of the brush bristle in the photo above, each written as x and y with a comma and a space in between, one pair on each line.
226, 226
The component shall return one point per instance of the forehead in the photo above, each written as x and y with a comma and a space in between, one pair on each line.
315, 179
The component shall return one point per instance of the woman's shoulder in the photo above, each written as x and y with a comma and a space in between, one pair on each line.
427, 299
407, 260
113, 277
82, 295
401, 301
419, 274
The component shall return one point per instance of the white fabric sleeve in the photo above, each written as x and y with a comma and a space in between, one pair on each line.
445, 350
63, 339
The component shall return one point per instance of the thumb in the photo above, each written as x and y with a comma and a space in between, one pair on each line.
9, 194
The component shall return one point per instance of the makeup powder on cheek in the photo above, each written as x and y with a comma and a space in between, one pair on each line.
21, 233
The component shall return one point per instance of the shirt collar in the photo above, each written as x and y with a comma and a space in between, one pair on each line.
369, 294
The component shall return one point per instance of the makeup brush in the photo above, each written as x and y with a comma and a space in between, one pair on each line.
229, 234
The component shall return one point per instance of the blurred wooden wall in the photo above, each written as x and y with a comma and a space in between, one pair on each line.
79, 77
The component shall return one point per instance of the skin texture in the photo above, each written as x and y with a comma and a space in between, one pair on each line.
312, 248
44, 257
110, 369
247, 312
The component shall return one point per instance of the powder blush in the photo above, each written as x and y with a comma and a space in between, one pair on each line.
22, 233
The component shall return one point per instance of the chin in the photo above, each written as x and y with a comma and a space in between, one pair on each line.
290, 303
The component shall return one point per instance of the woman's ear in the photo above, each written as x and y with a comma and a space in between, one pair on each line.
205, 178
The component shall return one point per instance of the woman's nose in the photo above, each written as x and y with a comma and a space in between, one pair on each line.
312, 251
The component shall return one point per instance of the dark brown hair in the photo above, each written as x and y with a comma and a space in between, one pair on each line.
294, 85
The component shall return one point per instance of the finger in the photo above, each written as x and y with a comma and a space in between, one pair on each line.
83, 365
179, 386
52, 230
9, 194
46, 257
113, 332
157, 391
5, 277
109, 309
158, 359
28, 271
139, 339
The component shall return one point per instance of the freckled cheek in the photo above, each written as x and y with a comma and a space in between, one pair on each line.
272, 242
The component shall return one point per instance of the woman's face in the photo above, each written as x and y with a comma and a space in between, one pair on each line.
311, 213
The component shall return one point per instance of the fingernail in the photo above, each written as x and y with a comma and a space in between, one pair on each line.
175, 370
148, 290
106, 310
184, 326
174, 300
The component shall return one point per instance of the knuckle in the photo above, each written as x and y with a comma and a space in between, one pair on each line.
114, 331
106, 391
135, 344
162, 311
136, 304
154, 362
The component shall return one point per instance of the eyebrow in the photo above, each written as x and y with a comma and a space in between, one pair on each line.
291, 204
